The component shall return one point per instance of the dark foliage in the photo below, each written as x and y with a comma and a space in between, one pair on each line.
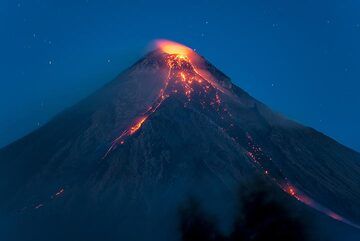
265, 218
196, 225
261, 217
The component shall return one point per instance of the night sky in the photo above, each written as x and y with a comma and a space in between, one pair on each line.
302, 58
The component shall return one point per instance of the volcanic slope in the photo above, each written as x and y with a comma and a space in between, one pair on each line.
170, 125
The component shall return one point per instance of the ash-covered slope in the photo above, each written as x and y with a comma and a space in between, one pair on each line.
169, 126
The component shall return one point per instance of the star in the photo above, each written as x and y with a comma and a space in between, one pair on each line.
50, 62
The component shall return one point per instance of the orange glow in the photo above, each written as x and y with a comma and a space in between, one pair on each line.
184, 78
291, 191
171, 47
183, 72
137, 125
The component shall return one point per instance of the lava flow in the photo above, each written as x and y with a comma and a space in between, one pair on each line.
184, 78
259, 158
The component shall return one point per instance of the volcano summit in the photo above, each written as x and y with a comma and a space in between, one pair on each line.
119, 163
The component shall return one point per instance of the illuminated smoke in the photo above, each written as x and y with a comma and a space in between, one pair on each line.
171, 47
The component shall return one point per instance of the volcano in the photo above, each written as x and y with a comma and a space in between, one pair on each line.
171, 125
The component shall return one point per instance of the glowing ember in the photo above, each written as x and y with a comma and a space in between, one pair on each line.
291, 191
137, 125
184, 75
130, 131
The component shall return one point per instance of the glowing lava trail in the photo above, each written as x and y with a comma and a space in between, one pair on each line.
184, 78
258, 157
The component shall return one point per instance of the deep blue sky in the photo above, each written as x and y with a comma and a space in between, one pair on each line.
301, 57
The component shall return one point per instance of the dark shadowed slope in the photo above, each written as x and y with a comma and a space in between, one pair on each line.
170, 125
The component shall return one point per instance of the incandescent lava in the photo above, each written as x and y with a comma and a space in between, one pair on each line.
187, 80
184, 79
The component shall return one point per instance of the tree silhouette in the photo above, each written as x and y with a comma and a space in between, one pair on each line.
196, 225
260, 217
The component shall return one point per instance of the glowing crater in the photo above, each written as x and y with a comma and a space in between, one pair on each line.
171, 47
184, 78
